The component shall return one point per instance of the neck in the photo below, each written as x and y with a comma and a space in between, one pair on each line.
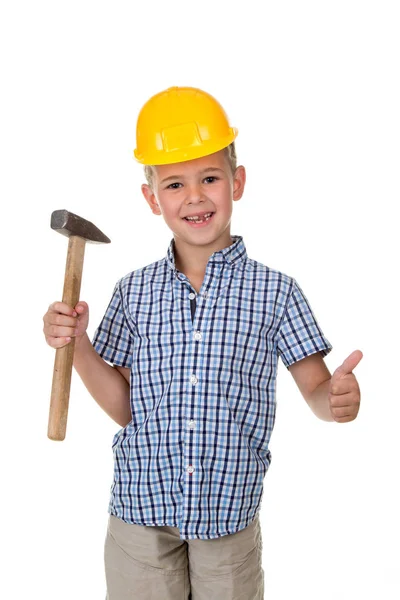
190, 259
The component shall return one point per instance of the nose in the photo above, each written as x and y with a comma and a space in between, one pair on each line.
194, 193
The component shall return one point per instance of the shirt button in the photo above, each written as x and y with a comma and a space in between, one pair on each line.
190, 469
192, 295
205, 295
197, 335
191, 424
193, 379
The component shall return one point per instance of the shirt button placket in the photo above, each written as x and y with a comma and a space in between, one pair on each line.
197, 336
193, 381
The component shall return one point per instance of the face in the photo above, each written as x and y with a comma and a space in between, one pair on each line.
202, 185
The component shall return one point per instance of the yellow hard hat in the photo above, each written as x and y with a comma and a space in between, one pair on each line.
179, 124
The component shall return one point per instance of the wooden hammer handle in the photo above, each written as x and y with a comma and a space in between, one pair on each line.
65, 356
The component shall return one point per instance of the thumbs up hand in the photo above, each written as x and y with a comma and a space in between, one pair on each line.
344, 391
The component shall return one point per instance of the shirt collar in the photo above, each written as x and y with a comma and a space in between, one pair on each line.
232, 254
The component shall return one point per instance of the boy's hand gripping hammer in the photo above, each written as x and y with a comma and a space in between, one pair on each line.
79, 231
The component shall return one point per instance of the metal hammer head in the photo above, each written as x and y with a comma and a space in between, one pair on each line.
69, 224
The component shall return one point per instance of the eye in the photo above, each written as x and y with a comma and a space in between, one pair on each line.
210, 179
172, 186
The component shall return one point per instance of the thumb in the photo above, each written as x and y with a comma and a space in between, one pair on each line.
81, 307
348, 364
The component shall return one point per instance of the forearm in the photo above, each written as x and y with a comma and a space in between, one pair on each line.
104, 383
318, 401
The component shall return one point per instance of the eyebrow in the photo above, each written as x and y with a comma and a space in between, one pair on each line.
208, 170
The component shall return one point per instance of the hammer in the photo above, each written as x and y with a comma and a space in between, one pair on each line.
79, 231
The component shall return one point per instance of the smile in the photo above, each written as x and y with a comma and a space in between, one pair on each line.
199, 222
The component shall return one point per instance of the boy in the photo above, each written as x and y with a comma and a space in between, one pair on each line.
193, 342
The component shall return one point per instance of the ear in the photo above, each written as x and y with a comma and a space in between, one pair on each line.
150, 198
239, 181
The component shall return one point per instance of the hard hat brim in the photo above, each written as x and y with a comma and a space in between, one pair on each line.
182, 155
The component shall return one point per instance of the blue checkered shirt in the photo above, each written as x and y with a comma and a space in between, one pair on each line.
203, 370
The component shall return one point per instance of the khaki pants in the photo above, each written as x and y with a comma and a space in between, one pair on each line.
152, 563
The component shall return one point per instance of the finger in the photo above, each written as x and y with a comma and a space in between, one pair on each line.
54, 318
63, 308
58, 342
344, 419
342, 411
344, 386
56, 331
342, 400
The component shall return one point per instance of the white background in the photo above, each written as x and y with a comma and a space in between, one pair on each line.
313, 88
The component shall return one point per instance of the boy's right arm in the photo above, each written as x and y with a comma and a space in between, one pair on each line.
106, 384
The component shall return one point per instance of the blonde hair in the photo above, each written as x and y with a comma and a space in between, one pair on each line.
230, 152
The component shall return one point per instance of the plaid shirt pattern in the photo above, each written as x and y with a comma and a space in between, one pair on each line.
203, 370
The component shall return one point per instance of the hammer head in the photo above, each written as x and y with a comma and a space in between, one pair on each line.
69, 224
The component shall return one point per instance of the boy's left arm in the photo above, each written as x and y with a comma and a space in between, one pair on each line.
331, 397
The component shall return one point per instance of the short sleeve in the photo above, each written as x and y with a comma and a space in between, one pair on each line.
113, 339
299, 334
